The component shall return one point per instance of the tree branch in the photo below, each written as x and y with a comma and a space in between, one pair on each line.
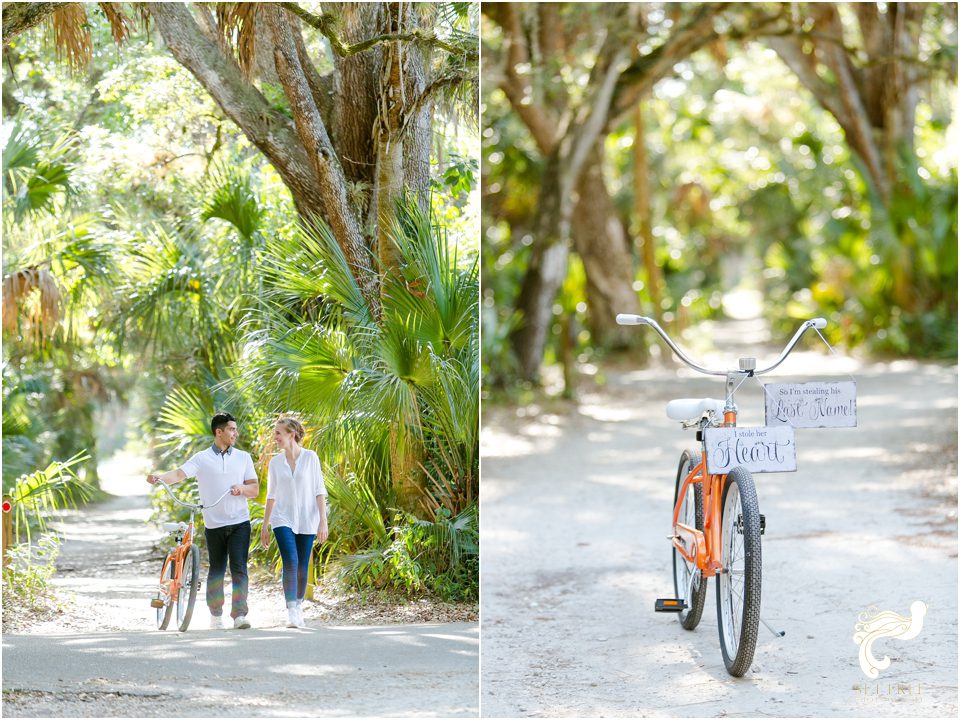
804, 66
518, 91
20, 17
321, 87
326, 24
312, 132
595, 111
433, 88
272, 132
646, 70
858, 127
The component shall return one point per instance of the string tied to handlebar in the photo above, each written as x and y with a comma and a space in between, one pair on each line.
822, 404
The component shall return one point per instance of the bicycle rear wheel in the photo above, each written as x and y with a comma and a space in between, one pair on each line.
738, 584
165, 611
691, 514
189, 582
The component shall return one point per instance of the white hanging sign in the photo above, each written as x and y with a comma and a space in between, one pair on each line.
812, 404
759, 449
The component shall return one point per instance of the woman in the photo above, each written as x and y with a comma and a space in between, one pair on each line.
296, 508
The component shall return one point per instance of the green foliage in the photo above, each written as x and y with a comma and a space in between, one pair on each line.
38, 494
752, 184
440, 557
459, 178
187, 285
26, 579
37, 177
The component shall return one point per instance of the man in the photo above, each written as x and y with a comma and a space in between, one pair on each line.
227, 524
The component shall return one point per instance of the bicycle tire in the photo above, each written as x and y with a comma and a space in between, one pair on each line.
738, 600
689, 618
189, 582
166, 612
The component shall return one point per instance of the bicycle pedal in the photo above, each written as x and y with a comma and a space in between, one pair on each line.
669, 605
763, 523
156, 603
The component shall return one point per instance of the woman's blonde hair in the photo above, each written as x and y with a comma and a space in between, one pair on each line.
294, 426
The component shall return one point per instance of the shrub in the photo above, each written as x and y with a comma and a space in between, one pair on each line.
26, 577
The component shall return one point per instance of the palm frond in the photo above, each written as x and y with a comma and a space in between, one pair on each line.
432, 286
121, 26
32, 291
71, 35
183, 421
337, 276
238, 27
37, 174
230, 196
356, 499
20, 152
168, 296
42, 492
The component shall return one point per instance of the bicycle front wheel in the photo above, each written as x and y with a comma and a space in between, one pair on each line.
165, 611
189, 582
738, 584
688, 583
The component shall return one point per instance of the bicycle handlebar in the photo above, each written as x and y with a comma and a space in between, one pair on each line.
198, 506
626, 319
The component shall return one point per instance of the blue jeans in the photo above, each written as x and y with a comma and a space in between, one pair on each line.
230, 542
295, 553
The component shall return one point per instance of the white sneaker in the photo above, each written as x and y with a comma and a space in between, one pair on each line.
293, 619
216, 622
301, 623
241, 623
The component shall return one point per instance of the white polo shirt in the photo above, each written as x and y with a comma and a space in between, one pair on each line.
296, 492
215, 475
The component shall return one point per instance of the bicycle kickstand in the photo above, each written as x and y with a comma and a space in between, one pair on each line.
776, 633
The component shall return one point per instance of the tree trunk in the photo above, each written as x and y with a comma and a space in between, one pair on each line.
546, 271
641, 195
875, 105
403, 132
600, 241
301, 150
337, 210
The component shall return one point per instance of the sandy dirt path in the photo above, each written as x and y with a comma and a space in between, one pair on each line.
102, 655
576, 502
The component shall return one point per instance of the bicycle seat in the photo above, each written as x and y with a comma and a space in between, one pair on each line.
690, 408
173, 527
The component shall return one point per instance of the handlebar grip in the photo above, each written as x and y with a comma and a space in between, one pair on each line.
819, 323
626, 319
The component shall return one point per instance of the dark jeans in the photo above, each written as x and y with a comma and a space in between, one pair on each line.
229, 542
295, 553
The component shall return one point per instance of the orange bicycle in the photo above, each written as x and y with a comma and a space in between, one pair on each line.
716, 517
180, 575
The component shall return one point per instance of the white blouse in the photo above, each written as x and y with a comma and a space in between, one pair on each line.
296, 492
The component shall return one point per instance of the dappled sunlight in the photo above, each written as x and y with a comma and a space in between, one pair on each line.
508, 538
598, 437
606, 413
633, 484
472, 641
501, 444
824, 455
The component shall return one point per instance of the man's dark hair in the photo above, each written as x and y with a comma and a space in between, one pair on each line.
220, 421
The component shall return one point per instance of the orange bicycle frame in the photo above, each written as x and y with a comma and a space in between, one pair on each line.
172, 586
706, 542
